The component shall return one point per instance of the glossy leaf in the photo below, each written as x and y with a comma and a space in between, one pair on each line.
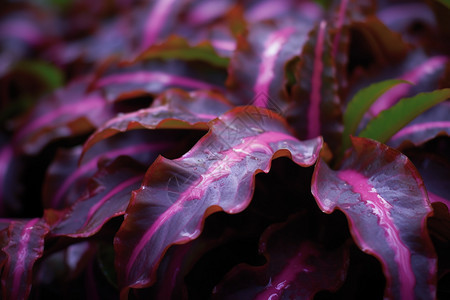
428, 125
316, 110
386, 204
359, 104
66, 113
67, 176
152, 78
108, 197
265, 48
390, 121
419, 74
176, 195
174, 109
296, 268
24, 247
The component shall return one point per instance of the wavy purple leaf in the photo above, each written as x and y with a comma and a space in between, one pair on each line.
176, 195
108, 197
24, 247
419, 73
315, 108
266, 49
296, 268
174, 109
428, 125
67, 112
386, 204
67, 176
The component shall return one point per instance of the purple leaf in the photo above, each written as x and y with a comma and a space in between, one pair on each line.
417, 74
25, 246
67, 176
428, 125
6, 155
139, 80
296, 267
67, 112
266, 49
176, 195
172, 109
386, 204
315, 108
108, 197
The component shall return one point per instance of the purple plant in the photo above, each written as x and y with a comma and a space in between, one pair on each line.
225, 149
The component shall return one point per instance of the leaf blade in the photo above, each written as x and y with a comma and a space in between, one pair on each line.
359, 105
177, 194
385, 201
390, 121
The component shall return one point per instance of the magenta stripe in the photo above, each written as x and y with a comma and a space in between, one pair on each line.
282, 281
414, 76
381, 208
272, 48
155, 22
421, 127
19, 267
92, 165
6, 155
147, 77
316, 85
108, 196
72, 109
216, 171
340, 21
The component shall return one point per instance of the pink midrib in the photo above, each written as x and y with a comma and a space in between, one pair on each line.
19, 268
147, 76
155, 21
283, 280
341, 17
316, 85
109, 195
272, 47
193, 192
421, 127
93, 163
381, 208
75, 108
394, 94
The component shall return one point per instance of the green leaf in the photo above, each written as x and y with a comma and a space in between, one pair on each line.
388, 122
50, 75
359, 105
176, 47
445, 2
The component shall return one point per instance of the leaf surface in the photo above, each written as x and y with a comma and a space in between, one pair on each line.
428, 125
174, 109
315, 108
390, 121
25, 245
216, 174
386, 204
108, 197
259, 57
360, 103
67, 112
